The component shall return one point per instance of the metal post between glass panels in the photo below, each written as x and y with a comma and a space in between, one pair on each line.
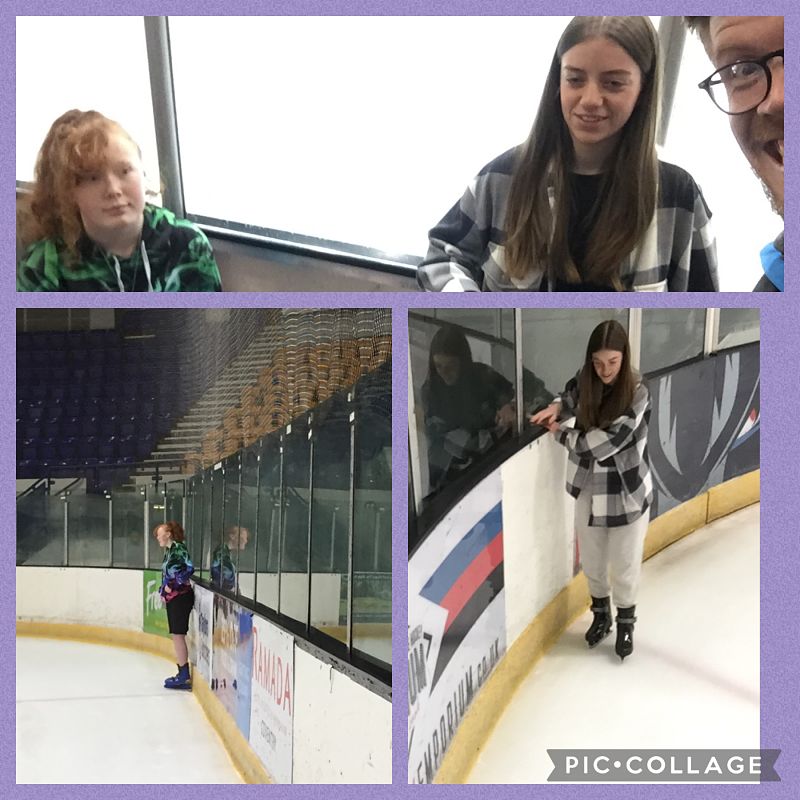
66, 531
146, 531
257, 520
281, 500
635, 336
310, 515
110, 530
159, 61
351, 526
518, 368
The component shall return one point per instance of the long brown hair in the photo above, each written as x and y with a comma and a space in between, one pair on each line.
536, 234
75, 144
597, 405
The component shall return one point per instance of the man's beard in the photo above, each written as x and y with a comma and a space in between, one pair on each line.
773, 201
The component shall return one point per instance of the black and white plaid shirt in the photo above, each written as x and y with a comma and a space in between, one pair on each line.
466, 252
612, 462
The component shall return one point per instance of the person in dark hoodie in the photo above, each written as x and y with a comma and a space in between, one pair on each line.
747, 53
468, 406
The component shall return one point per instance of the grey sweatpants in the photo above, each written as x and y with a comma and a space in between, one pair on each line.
614, 553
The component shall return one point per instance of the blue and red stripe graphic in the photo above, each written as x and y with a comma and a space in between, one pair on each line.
466, 582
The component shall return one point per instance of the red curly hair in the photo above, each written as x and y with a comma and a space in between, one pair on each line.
175, 530
75, 144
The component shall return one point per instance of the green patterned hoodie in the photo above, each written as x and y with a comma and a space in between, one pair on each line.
179, 254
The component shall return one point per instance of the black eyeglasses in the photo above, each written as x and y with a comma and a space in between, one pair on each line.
742, 86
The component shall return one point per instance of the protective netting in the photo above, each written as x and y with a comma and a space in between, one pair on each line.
298, 359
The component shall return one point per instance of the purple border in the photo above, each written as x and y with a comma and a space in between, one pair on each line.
780, 563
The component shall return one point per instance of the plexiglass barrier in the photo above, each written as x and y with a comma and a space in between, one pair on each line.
298, 522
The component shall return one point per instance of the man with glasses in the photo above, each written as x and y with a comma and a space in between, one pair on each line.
748, 86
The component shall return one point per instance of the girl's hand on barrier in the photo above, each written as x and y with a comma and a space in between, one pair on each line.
546, 415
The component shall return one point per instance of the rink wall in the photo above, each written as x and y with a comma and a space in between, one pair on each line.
497, 579
285, 712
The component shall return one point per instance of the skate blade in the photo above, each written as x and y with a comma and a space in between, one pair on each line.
599, 641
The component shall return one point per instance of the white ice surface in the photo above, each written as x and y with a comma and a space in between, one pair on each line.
692, 681
93, 714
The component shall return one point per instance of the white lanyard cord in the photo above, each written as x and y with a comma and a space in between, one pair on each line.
145, 261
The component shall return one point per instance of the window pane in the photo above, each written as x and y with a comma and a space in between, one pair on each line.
247, 522
173, 496
214, 528
128, 525
156, 509
372, 521
88, 521
554, 348
294, 550
202, 505
40, 530
330, 516
269, 522
738, 326
366, 138
671, 336
463, 406
225, 557
64, 63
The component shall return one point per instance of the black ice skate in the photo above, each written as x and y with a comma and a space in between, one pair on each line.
601, 624
625, 620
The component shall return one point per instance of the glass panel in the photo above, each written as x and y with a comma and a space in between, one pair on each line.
296, 508
372, 520
203, 514
212, 533
463, 386
173, 496
156, 516
226, 554
738, 326
191, 526
330, 517
40, 530
127, 519
554, 348
269, 522
89, 544
321, 62
248, 510
671, 336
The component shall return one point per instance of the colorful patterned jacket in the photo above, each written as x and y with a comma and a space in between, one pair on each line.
178, 253
223, 571
176, 572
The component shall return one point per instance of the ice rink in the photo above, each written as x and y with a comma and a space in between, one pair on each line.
93, 714
692, 681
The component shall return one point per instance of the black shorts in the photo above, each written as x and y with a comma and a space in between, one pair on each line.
178, 610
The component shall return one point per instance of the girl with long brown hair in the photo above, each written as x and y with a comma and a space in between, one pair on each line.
584, 204
608, 474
